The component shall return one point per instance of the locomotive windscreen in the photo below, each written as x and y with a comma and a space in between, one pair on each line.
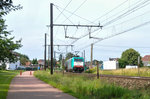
78, 60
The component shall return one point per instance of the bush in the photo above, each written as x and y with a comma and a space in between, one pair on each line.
34, 68
19, 68
91, 70
28, 68
2, 67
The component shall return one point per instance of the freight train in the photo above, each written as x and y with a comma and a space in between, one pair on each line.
75, 64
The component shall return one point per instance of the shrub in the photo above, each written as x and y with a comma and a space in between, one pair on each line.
19, 68
92, 70
2, 67
28, 68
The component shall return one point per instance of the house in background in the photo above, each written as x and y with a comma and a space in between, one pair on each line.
146, 60
12, 66
41, 63
110, 65
113, 59
27, 64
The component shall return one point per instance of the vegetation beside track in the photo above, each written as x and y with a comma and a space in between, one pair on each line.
5, 80
85, 88
143, 72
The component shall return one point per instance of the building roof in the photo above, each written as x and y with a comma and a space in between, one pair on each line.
28, 63
146, 58
41, 61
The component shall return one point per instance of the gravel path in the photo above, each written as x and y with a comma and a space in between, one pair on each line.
26, 86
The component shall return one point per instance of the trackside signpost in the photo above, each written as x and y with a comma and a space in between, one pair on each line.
97, 70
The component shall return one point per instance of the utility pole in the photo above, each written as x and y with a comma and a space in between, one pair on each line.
84, 60
45, 53
54, 60
48, 56
84, 54
138, 65
63, 63
51, 35
91, 55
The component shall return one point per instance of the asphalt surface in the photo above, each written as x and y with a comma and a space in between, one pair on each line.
26, 86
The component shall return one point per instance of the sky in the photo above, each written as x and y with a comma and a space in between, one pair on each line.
125, 25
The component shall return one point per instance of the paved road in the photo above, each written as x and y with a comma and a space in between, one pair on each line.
26, 86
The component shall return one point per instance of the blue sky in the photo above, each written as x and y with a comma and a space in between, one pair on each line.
30, 25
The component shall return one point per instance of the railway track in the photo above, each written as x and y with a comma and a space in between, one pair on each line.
111, 76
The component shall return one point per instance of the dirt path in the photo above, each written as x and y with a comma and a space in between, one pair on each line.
27, 86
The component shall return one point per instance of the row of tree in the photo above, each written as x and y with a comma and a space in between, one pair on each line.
7, 43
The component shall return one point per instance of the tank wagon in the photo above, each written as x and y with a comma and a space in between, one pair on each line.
75, 64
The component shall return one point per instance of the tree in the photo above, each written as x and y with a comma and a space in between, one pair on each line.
7, 5
129, 57
60, 57
122, 63
69, 55
23, 59
7, 43
34, 61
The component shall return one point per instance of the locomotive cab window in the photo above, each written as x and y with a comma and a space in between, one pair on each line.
78, 60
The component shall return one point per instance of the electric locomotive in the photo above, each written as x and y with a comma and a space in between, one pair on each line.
75, 64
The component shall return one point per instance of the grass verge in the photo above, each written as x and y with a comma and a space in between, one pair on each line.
85, 88
5, 80
143, 72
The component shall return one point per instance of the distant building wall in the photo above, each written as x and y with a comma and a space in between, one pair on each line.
109, 65
130, 66
146, 60
12, 66
41, 62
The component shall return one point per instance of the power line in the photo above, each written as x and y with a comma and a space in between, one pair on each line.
120, 11
131, 19
145, 23
75, 15
121, 46
75, 10
116, 50
65, 16
111, 10
63, 10
130, 29
139, 6
97, 28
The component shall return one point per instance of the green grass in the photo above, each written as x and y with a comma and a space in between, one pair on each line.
5, 80
144, 72
85, 88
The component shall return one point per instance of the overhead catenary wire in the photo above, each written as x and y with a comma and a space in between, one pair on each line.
111, 21
127, 30
137, 7
75, 15
116, 46
120, 51
63, 10
128, 20
65, 16
120, 11
111, 10
75, 10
